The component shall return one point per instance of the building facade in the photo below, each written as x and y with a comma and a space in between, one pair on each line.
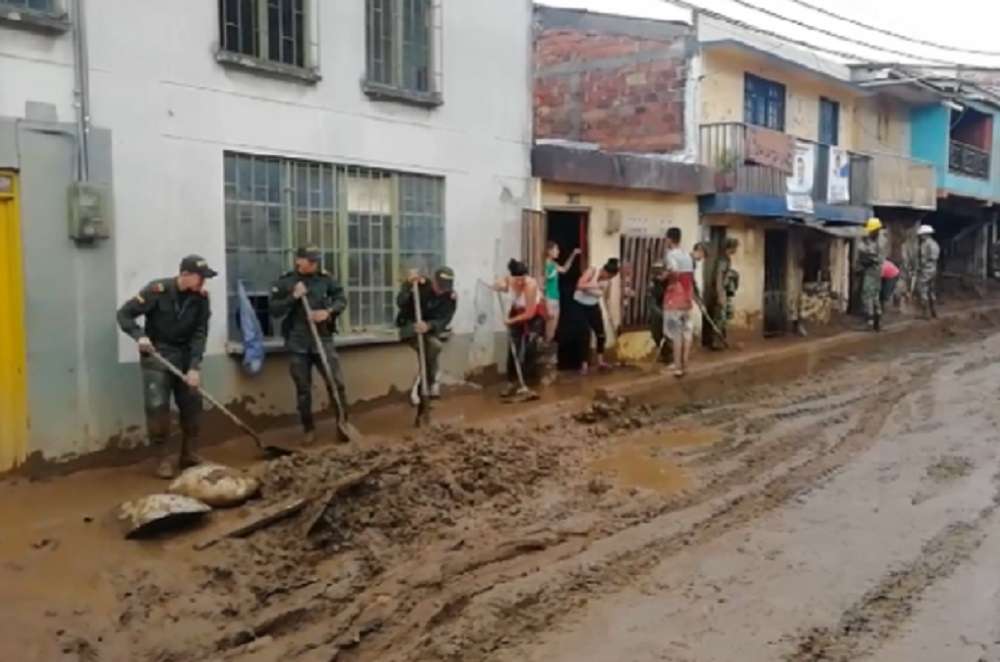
391, 133
614, 147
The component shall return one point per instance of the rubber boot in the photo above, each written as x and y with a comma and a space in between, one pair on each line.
169, 467
309, 438
188, 457
877, 322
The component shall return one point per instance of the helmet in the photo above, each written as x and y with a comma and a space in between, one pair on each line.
873, 225
925, 230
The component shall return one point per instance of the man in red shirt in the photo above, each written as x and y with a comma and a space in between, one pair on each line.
678, 301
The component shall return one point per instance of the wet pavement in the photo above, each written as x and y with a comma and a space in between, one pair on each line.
848, 513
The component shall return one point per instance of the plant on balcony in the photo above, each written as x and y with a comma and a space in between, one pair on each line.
725, 171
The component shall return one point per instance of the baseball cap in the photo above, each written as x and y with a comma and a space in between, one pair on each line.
445, 278
311, 253
196, 264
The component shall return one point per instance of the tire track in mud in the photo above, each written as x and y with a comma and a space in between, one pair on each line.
880, 613
495, 619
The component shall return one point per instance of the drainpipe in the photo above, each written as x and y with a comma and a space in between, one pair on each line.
81, 66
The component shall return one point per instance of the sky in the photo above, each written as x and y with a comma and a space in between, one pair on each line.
970, 24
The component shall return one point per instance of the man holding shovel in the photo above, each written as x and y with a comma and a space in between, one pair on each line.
176, 312
326, 301
438, 302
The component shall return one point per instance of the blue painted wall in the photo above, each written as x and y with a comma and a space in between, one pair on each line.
930, 127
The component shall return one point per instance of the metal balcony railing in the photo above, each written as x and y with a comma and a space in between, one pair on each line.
964, 159
723, 146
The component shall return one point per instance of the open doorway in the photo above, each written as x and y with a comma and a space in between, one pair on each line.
775, 286
569, 230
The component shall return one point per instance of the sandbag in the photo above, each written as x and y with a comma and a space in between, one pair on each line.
217, 485
157, 513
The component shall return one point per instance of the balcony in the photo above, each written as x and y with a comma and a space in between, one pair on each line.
898, 181
727, 148
964, 159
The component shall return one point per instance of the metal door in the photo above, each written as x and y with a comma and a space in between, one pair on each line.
13, 382
775, 270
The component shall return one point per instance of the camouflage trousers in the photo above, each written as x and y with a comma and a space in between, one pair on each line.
871, 291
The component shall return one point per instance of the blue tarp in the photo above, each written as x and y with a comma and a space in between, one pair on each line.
253, 335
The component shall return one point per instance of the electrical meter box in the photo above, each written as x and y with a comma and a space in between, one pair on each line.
89, 217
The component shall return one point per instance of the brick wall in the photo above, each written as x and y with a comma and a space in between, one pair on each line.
623, 92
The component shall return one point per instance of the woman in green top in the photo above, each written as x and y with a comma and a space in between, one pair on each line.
552, 271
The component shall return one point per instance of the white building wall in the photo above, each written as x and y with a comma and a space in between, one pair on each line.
173, 111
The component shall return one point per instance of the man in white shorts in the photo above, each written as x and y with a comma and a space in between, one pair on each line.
678, 301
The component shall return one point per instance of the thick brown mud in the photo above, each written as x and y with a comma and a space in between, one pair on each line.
473, 540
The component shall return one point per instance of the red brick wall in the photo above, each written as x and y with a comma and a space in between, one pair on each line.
624, 93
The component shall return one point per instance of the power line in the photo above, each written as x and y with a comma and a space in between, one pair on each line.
890, 33
769, 33
836, 35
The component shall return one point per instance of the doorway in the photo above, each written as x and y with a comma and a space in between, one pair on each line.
569, 230
13, 381
775, 286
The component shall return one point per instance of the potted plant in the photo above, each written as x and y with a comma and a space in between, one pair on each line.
725, 171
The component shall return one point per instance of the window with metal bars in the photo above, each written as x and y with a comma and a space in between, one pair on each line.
47, 6
272, 30
400, 46
372, 226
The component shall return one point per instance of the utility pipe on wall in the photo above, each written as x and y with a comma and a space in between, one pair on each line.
81, 67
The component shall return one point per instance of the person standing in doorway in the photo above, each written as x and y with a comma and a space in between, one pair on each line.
552, 272
176, 312
326, 301
870, 258
927, 270
678, 301
593, 286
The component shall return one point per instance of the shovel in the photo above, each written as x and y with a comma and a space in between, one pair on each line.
345, 429
711, 322
424, 406
269, 451
523, 393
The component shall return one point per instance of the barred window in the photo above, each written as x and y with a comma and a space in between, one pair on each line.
401, 35
266, 29
47, 6
371, 226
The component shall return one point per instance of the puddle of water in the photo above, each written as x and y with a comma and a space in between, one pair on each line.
638, 462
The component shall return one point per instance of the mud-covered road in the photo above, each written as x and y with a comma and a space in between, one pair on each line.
849, 515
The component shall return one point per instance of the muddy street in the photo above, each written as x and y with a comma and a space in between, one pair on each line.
846, 515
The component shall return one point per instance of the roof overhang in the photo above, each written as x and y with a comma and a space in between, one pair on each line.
570, 163
741, 49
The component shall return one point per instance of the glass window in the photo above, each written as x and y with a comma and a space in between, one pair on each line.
371, 226
267, 29
399, 37
764, 103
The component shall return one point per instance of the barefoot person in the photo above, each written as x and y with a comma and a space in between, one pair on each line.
678, 301
525, 322
176, 312
593, 286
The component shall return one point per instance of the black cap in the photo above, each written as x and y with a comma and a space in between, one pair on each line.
311, 253
196, 264
445, 278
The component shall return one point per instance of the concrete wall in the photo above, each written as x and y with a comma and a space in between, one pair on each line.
169, 111
613, 81
722, 88
654, 213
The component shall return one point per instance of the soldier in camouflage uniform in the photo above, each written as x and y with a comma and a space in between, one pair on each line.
727, 282
176, 311
927, 267
327, 301
870, 257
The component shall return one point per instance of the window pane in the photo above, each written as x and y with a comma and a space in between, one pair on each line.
416, 55
421, 229
379, 27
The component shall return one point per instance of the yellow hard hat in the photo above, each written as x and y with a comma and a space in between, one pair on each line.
873, 225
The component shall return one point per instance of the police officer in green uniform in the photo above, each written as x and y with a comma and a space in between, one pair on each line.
327, 301
438, 302
176, 312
